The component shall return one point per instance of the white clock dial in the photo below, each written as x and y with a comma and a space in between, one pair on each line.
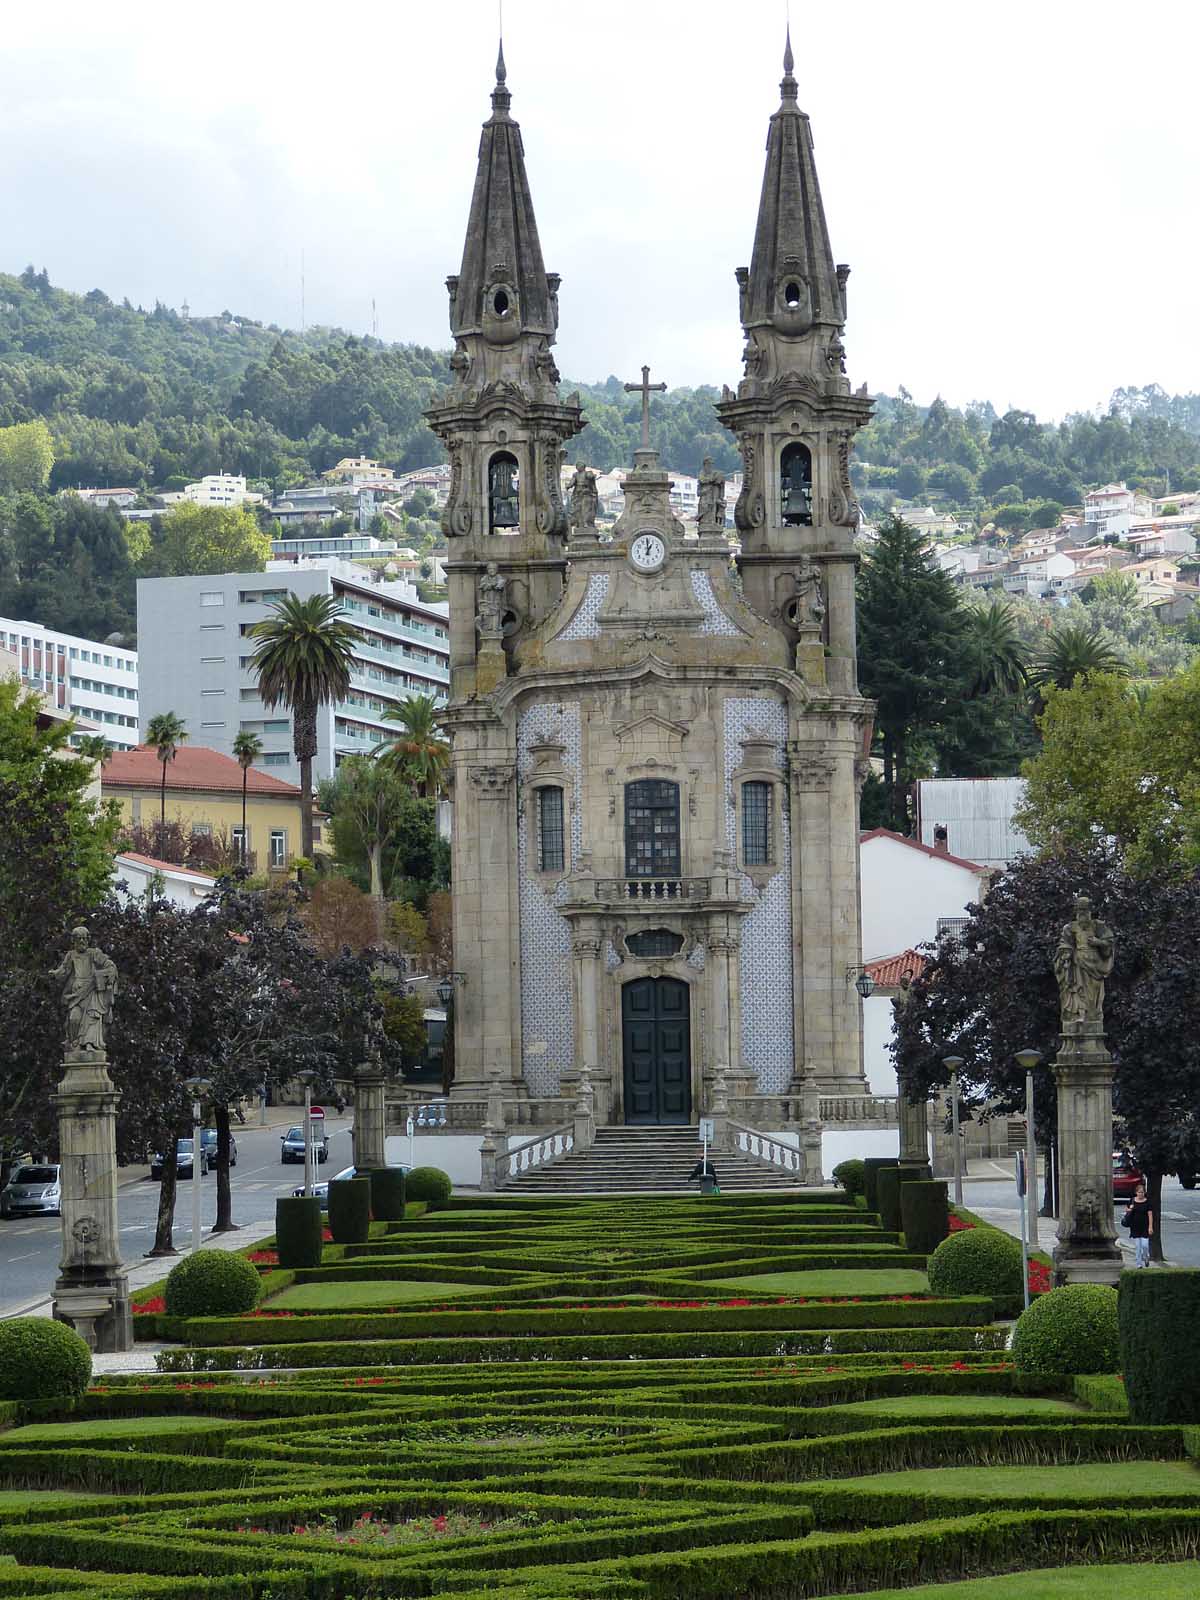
647, 551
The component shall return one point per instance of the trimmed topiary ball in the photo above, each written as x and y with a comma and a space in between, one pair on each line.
978, 1261
1069, 1332
212, 1283
430, 1184
851, 1176
42, 1360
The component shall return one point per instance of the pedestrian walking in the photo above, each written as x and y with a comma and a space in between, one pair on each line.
1139, 1219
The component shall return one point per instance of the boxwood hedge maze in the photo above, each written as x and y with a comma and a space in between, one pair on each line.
547, 1399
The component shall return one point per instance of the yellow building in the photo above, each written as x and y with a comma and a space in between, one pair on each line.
204, 796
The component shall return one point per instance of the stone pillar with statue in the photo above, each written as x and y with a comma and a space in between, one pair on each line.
912, 1115
91, 1293
1087, 1249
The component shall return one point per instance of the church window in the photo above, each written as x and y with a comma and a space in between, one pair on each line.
504, 492
500, 303
791, 295
795, 484
551, 844
651, 829
654, 942
756, 824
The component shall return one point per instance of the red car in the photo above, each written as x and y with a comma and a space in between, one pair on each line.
1126, 1175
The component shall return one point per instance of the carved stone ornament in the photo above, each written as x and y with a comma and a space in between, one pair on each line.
491, 782
551, 513
89, 982
711, 510
844, 509
751, 508
456, 518
85, 1230
862, 771
584, 500
812, 773
490, 617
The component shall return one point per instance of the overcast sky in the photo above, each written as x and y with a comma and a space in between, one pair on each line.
1014, 185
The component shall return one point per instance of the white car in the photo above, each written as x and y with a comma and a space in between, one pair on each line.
32, 1190
321, 1190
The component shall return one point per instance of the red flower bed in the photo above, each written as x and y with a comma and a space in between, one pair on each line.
959, 1224
147, 1308
264, 1258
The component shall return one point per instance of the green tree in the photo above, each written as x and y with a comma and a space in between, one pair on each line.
302, 658
1115, 588
26, 455
368, 803
166, 732
1073, 651
247, 747
404, 1024
201, 539
418, 750
996, 658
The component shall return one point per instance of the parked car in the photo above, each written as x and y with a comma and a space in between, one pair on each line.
32, 1190
208, 1149
183, 1161
1126, 1175
1188, 1179
291, 1145
321, 1190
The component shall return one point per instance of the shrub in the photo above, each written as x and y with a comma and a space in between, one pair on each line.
924, 1215
1159, 1312
1068, 1331
388, 1192
888, 1182
429, 1184
350, 1210
872, 1167
42, 1360
851, 1176
298, 1231
212, 1283
979, 1261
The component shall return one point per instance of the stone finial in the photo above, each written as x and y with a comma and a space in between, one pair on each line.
501, 73
501, 98
788, 87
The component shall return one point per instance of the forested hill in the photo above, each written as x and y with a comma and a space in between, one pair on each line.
154, 398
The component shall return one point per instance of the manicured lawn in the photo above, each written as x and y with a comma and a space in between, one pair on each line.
11, 1499
375, 1292
55, 1432
1176, 1581
949, 1405
851, 1281
1099, 1480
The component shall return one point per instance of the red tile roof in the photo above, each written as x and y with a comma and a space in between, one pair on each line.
926, 849
888, 970
195, 767
164, 866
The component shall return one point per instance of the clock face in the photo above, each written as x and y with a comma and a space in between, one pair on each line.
647, 552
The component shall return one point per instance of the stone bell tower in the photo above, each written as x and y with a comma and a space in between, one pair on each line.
502, 421
794, 415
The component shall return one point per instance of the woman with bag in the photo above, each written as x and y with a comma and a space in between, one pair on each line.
1139, 1219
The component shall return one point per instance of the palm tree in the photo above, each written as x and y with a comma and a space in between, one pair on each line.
1073, 651
166, 733
418, 749
303, 661
93, 747
996, 657
247, 747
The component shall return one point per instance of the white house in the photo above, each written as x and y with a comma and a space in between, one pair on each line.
139, 877
219, 489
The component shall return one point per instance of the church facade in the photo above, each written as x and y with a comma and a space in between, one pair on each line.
657, 754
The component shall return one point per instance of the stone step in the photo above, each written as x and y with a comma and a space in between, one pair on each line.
648, 1160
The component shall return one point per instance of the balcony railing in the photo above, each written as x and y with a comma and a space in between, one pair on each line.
652, 890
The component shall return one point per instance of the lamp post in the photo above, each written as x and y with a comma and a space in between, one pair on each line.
445, 993
306, 1078
1029, 1059
952, 1064
863, 981
196, 1087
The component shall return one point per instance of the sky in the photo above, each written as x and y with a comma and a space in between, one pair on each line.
1014, 186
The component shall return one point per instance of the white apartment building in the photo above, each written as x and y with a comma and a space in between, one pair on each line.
219, 489
1112, 510
196, 645
360, 470
97, 683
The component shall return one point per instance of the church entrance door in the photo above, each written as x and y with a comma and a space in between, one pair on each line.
656, 1038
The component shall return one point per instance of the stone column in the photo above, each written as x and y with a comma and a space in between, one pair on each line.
370, 1118
1087, 1250
495, 1136
585, 1113
587, 946
810, 1136
914, 1130
92, 1291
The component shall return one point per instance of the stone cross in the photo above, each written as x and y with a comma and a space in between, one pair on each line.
645, 389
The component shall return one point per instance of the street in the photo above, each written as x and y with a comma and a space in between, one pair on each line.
30, 1247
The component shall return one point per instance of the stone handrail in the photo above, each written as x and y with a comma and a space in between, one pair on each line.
653, 890
860, 1110
761, 1147
441, 1115
539, 1152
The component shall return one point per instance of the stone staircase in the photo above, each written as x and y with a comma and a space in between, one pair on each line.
628, 1160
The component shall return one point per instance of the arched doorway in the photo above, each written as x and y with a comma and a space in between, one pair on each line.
656, 1042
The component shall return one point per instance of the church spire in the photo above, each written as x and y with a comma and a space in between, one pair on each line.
792, 282
502, 289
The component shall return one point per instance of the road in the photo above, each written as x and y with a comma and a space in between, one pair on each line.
30, 1247
996, 1202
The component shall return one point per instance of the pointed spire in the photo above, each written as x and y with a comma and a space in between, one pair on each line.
788, 89
501, 98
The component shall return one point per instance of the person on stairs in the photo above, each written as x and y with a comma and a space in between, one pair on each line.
707, 1174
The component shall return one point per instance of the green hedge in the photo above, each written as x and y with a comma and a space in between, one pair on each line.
212, 1283
1102, 1393
924, 1214
430, 1184
1159, 1320
349, 1207
851, 1176
42, 1360
872, 1167
389, 1194
1070, 1330
298, 1231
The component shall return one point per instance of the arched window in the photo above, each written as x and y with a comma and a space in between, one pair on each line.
551, 840
504, 492
795, 485
756, 824
651, 829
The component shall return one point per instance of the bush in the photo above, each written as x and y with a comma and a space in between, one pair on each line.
851, 1176
1159, 1312
1068, 1331
977, 1261
212, 1283
872, 1167
924, 1215
429, 1184
388, 1192
888, 1183
42, 1360
350, 1210
298, 1231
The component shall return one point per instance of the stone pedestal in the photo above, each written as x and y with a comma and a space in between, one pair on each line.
810, 1131
91, 1293
370, 1119
810, 657
914, 1130
1087, 1250
491, 666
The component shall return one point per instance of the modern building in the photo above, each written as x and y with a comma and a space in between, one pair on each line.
204, 796
97, 683
972, 818
106, 499
218, 489
350, 547
196, 645
1112, 509
356, 470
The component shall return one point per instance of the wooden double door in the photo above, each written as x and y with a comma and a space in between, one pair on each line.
657, 1047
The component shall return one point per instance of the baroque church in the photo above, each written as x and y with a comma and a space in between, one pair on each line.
657, 752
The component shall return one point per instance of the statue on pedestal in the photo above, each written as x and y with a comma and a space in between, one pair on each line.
89, 982
1083, 960
490, 617
584, 499
808, 603
711, 498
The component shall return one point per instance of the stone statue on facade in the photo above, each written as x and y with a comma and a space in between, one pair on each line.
490, 617
711, 498
809, 600
1083, 960
584, 499
89, 981
902, 996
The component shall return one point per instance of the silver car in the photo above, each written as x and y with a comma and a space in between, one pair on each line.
33, 1190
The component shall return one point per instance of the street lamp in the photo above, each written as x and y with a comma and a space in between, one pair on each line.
306, 1076
1029, 1059
952, 1065
196, 1087
863, 982
445, 993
